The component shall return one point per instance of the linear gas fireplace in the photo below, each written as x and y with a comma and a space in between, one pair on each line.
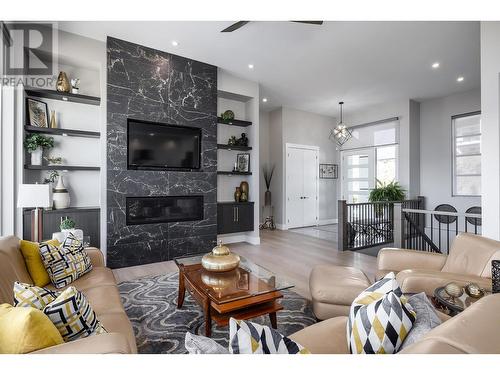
163, 209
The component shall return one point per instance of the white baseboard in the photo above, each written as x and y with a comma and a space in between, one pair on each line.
328, 222
235, 238
281, 227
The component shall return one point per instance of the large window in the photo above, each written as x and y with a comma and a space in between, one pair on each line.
387, 164
467, 154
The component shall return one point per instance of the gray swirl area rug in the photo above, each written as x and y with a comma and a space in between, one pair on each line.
159, 327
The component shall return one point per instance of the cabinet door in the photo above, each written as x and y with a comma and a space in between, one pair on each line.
244, 217
226, 219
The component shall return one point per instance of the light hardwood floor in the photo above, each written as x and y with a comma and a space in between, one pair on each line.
288, 254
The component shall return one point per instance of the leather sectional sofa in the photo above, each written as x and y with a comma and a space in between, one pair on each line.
99, 286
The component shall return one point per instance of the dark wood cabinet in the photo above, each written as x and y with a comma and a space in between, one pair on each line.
234, 217
86, 219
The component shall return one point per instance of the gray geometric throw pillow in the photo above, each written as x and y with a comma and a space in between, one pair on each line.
203, 345
426, 320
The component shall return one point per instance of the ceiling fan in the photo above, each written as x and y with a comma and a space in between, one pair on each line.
240, 24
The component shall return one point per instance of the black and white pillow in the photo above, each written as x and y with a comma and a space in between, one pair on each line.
65, 263
252, 338
26, 295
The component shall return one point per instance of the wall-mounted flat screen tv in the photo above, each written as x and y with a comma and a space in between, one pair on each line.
153, 145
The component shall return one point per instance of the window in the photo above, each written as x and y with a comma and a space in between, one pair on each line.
386, 164
467, 154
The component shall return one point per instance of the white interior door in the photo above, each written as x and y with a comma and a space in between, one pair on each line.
310, 187
301, 186
358, 174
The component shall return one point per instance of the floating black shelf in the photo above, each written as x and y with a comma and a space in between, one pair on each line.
61, 167
234, 122
235, 148
63, 132
233, 202
69, 209
64, 96
232, 173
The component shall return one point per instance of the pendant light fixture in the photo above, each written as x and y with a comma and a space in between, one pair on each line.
340, 134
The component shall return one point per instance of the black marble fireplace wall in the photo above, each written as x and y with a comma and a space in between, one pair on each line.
152, 85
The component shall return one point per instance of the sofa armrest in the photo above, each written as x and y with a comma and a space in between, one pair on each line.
96, 256
106, 343
392, 259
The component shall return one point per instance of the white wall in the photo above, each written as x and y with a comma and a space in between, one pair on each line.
436, 160
276, 150
264, 151
490, 128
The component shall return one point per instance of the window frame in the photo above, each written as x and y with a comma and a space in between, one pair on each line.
454, 156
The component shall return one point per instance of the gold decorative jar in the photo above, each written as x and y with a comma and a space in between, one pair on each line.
62, 84
220, 259
453, 290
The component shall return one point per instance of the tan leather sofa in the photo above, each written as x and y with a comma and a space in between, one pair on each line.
474, 331
333, 288
469, 261
99, 286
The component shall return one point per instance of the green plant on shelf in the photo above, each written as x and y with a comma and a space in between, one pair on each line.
67, 223
51, 177
33, 141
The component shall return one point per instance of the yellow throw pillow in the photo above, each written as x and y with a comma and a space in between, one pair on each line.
26, 329
33, 260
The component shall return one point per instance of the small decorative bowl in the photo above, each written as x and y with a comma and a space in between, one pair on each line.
474, 291
453, 290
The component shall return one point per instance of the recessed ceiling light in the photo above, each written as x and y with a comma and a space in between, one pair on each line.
175, 43
460, 79
264, 100
435, 65
250, 66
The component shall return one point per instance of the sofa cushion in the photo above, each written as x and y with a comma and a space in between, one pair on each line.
471, 255
380, 319
426, 320
34, 264
251, 338
73, 316
25, 329
26, 295
118, 322
65, 263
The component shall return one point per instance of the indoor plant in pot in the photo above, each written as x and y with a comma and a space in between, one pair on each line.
35, 144
68, 226
391, 192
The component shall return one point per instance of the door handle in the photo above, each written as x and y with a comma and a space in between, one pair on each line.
237, 214
234, 214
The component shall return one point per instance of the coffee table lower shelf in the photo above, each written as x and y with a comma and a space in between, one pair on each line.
270, 308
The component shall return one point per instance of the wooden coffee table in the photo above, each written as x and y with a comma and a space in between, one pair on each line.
245, 293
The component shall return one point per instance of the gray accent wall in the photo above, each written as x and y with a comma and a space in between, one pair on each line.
151, 85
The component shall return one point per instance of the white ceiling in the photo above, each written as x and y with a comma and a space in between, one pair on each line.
313, 67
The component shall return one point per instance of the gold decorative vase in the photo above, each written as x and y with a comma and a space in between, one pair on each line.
62, 84
220, 259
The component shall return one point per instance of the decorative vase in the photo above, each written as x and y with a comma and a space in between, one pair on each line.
78, 233
220, 259
237, 194
60, 195
63, 84
36, 156
244, 191
267, 198
53, 122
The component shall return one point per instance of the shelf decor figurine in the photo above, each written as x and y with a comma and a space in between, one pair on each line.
35, 144
63, 84
268, 176
60, 195
220, 259
232, 141
243, 141
227, 116
75, 86
53, 121
237, 194
244, 191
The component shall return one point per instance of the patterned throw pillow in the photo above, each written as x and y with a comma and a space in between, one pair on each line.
252, 338
67, 262
72, 315
195, 344
380, 318
26, 295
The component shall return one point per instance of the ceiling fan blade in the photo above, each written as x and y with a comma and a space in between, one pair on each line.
234, 26
310, 22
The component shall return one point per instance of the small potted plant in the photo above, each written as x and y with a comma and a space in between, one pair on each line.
35, 144
67, 225
391, 192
